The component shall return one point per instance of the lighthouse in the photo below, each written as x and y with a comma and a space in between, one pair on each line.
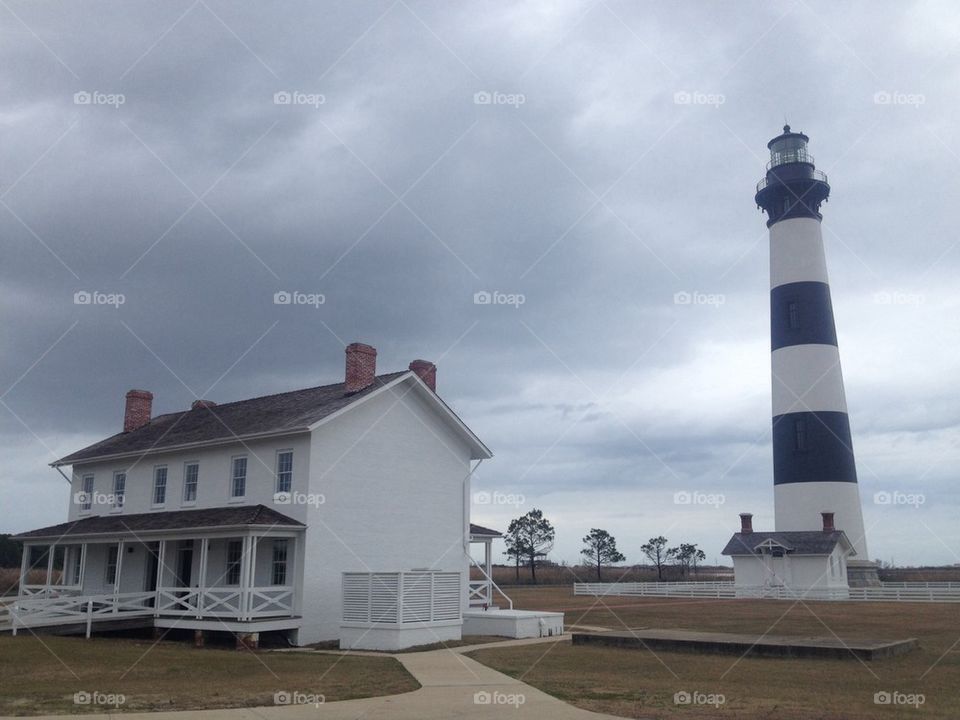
814, 471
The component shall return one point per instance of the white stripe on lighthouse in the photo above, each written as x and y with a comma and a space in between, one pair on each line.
807, 378
796, 252
797, 506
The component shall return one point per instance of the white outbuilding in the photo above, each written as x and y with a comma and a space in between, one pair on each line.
795, 562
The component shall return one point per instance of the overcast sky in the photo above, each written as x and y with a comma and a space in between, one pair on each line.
593, 159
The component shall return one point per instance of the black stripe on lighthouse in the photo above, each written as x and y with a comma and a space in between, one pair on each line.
812, 447
801, 314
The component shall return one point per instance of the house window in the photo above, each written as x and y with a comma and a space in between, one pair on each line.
234, 556
284, 471
279, 568
119, 488
799, 434
112, 554
77, 562
191, 473
160, 485
86, 487
238, 478
793, 315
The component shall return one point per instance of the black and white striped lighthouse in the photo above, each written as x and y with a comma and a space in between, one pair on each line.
813, 464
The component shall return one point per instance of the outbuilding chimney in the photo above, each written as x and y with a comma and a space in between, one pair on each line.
827, 522
138, 409
361, 366
746, 523
426, 371
202, 404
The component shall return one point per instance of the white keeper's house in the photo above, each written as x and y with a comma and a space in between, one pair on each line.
333, 512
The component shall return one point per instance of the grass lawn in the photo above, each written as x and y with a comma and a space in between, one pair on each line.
639, 683
41, 675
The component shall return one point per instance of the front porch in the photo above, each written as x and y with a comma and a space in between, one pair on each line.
247, 576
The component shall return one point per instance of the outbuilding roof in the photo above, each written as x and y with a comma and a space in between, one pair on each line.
797, 542
137, 523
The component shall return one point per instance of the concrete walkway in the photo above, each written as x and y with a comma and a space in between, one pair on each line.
454, 686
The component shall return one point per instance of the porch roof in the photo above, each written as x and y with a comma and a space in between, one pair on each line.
481, 531
120, 523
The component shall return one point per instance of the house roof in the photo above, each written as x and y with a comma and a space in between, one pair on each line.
119, 524
797, 542
481, 530
284, 412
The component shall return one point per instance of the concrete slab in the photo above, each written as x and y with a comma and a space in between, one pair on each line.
746, 644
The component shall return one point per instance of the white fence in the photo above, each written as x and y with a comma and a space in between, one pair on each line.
401, 598
890, 592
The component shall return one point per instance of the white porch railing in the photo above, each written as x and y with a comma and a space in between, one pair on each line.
40, 611
478, 592
250, 604
50, 590
398, 599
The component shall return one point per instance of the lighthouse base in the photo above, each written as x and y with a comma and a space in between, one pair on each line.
861, 573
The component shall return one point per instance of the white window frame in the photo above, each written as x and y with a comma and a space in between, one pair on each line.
275, 563
276, 487
119, 497
233, 477
196, 484
86, 506
166, 486
112, 550
232, 565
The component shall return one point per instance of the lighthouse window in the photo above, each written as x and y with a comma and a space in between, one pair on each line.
786, 204
800, 434
793, 315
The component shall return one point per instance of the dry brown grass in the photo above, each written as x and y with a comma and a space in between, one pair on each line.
41, 677
10, 579
639, 683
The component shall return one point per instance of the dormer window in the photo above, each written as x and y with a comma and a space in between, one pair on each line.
160, 485
191, 476
119, 488
238, 477
284, 471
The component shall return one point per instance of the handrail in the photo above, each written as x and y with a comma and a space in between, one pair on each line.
490, 579
817, 175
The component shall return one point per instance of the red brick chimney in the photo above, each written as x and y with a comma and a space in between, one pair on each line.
137, 412
426, 371
746, 523
827, 522
361, 366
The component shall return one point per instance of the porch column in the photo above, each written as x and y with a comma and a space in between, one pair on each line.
51, 551
24, 568
83, 566
204, 551
161, 566
244, 577
252, 576
116, 585
296, 607
488, 569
